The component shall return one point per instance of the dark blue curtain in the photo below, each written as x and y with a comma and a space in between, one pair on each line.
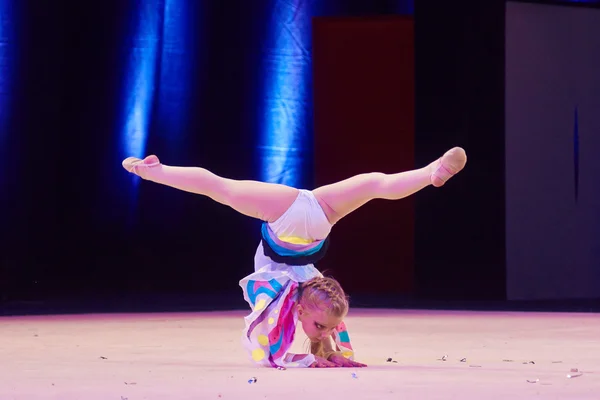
223, 85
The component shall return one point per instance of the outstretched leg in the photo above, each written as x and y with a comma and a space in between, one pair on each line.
341, 198
265, 201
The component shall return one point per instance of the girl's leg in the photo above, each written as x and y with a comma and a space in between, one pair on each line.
265, 201
341, 198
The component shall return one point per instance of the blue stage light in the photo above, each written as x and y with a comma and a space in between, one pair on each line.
286, 134
176, 63
144, 43
7, 58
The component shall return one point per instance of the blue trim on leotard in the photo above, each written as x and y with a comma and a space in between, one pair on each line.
282, 251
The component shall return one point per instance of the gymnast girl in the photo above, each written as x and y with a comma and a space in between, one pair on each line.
285, 287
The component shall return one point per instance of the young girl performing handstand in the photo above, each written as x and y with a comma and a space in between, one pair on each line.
286, 287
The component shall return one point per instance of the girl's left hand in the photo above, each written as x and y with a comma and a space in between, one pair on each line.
341, 361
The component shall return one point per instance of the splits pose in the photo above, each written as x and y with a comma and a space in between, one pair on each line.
286, 287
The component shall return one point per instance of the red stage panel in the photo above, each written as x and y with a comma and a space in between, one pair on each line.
364, 122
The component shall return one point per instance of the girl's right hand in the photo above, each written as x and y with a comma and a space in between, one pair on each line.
340, 361
320, 362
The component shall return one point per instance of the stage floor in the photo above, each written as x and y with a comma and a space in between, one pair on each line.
199, 356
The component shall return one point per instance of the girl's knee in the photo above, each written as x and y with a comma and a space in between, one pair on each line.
374, 182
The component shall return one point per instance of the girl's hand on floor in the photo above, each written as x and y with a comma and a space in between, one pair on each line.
340, 361
320, 362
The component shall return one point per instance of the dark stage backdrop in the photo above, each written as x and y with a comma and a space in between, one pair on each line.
224, 85
364, 122
228, 86
459, 234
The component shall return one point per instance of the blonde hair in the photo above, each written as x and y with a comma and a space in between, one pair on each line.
325, 294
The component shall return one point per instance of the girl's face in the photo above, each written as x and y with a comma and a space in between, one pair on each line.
317, 324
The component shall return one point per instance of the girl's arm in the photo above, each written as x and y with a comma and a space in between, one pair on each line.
343, 355
328, 349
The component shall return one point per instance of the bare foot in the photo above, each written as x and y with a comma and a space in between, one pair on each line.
140, 167
450, 164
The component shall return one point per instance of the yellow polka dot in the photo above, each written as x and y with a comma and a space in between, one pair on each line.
347, 354
264, 340
276, 311
258, 354
260, 305
271, 321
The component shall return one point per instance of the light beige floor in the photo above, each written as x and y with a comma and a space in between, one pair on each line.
199, 356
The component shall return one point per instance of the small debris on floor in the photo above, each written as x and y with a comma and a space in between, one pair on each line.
389, 359
534, 381
281, 368
528, 362
252, 380
444, 358
130, 383
354, 375
475, 366
463, 360
574, 373
103, 358
556, 362
507, 360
